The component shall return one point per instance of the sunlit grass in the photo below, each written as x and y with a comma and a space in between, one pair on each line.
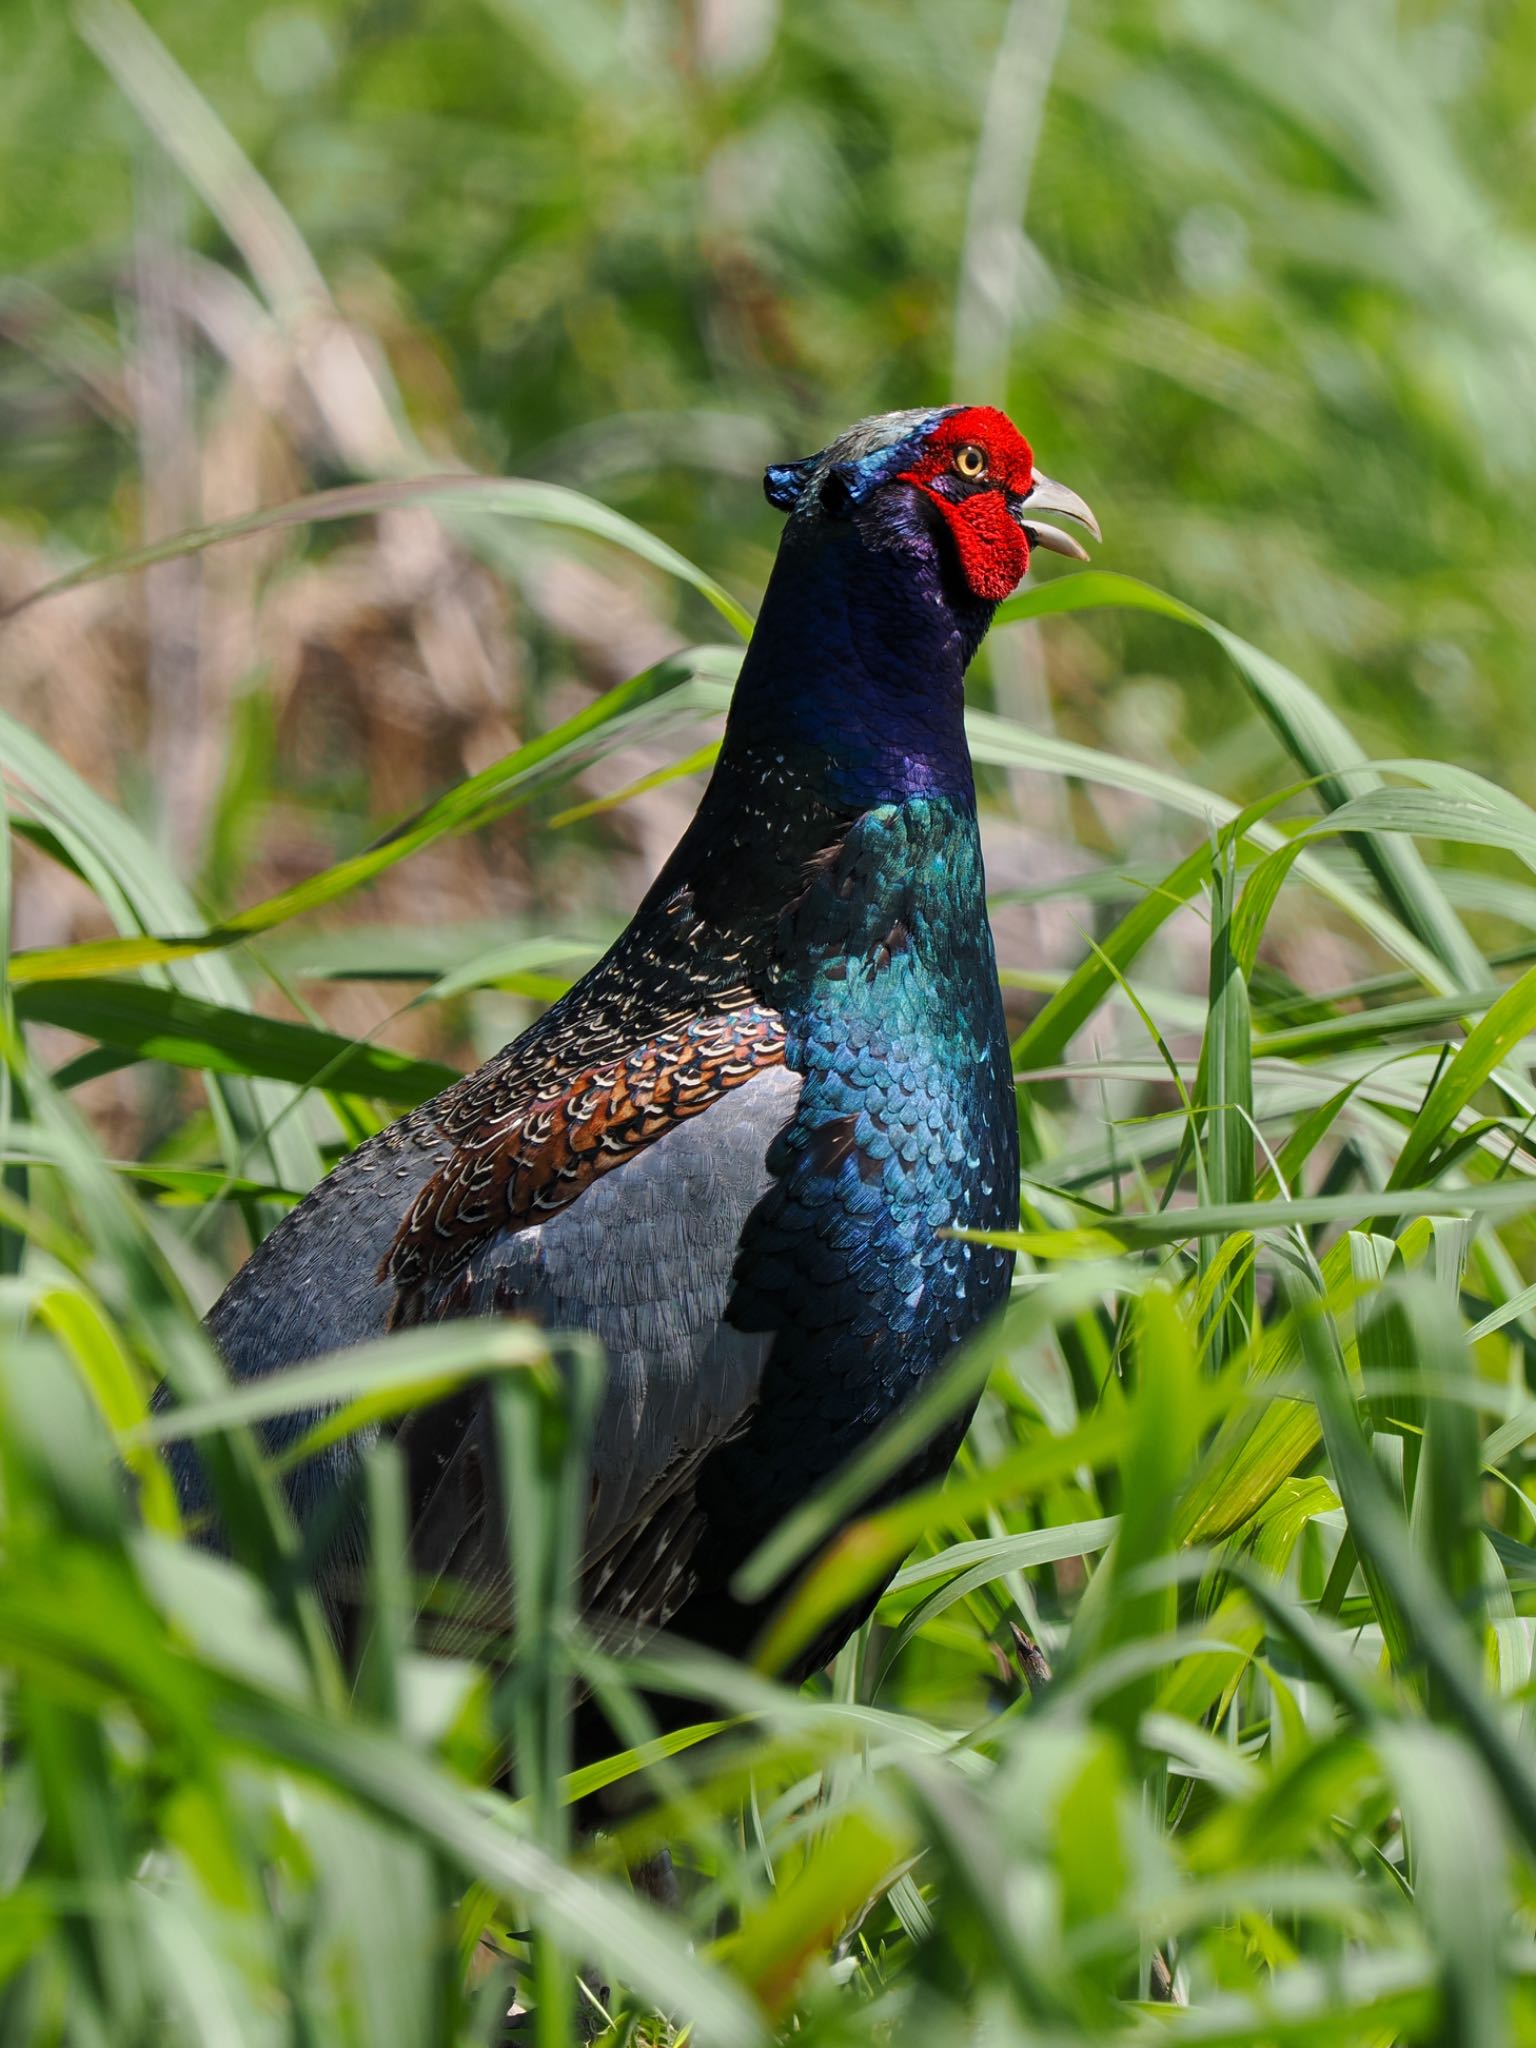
1241, 1483
1199, 1706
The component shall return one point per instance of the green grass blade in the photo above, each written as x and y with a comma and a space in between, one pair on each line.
1317, 740
509, 497
638, 704
184, 1031
1227, 1099
1486, 1047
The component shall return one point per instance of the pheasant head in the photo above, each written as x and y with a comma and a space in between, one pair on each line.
903, 537
963, 475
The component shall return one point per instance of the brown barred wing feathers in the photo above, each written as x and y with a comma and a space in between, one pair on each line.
525, 1145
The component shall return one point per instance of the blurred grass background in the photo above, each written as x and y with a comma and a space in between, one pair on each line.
1257, 277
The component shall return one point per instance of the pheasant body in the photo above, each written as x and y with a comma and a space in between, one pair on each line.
735, 1149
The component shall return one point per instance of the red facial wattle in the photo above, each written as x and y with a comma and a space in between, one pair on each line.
993, 548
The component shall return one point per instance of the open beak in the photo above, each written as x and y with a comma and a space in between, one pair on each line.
1045, 496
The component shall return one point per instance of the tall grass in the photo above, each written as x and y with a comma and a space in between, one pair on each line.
1199, 1705
1247, 1481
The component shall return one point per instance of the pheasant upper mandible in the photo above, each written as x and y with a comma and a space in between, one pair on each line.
732, 1150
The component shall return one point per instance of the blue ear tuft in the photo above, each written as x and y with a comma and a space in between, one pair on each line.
784, 482
841, 490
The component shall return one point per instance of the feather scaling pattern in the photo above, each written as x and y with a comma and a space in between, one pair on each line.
523, 1149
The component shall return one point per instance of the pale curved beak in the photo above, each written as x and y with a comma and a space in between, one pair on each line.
1046, 496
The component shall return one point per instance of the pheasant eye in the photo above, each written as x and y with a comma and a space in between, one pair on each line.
971, 461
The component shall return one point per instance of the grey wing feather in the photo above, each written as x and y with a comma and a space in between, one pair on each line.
643, 1260
312, 1285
